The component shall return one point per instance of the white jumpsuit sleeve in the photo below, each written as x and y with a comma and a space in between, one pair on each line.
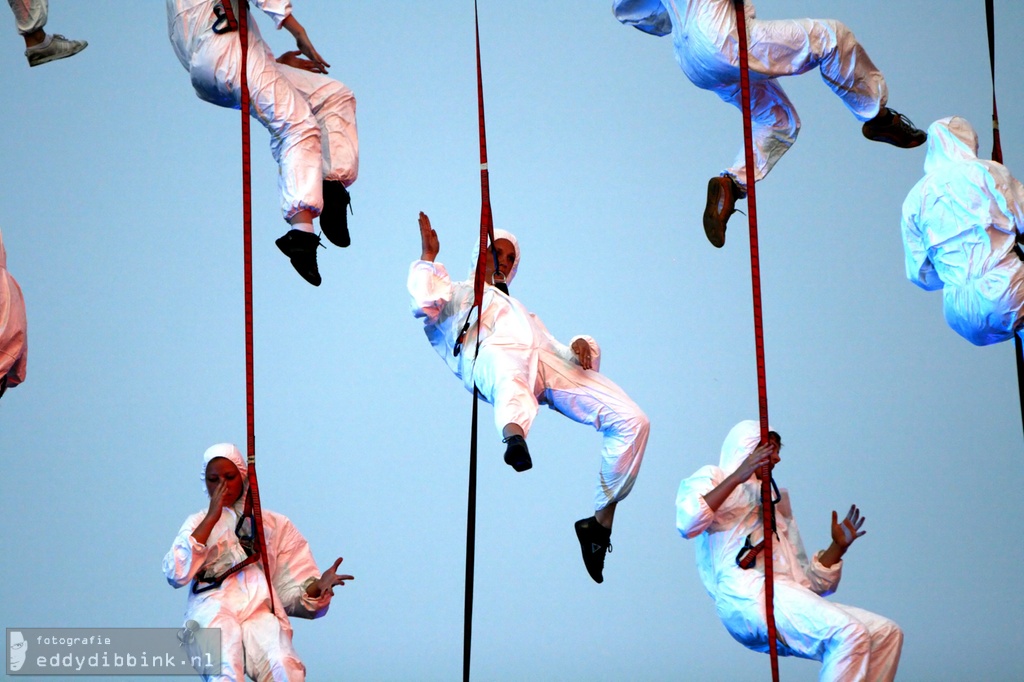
294, 570
693, 515
186, 556
278, 10
650, 16
430, 288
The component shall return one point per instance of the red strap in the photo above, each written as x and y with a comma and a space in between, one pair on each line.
762, 390
254, 489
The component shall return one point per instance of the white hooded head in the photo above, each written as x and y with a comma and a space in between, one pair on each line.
498, 234
230, 452
740, 442
950, 139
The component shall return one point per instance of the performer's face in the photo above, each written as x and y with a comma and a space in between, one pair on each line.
506, 259
776, 440
222, 469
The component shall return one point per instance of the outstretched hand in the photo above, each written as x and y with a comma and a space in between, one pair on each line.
294, 60
328, 581
428, 239
302, 41
843, 534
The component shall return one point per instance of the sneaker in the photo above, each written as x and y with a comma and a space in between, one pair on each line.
595, 541
517, 455
54, 47
300, 247
3, 386
894, 128
722, 195
334, 217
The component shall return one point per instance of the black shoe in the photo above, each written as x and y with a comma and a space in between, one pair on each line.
300, 247
722, 194
595, 541
894, 128
517, 455
334, 217
3, 386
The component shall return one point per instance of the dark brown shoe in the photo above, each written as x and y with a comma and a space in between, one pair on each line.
722, 195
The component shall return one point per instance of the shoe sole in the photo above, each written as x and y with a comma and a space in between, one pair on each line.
894, 140
714, 225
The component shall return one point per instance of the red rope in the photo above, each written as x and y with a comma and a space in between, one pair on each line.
250, 408
486, 231
762, 390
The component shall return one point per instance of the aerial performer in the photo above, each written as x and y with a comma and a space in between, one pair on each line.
962, 226
720, 508
41, 47
13, 328
254, 640
311, 118
520, 366
705, 38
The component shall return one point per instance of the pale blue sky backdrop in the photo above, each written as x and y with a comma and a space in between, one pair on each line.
121, 214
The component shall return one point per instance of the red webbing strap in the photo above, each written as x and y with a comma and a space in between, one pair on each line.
250, 410
762, 390
486, 231
997, 156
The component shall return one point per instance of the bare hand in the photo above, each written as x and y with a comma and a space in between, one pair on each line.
581, 349
843, 534
761, 455
292, 25
217, 499
328, 581
294, 60
428, 239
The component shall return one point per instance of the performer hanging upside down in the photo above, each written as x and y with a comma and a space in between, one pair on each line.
720, 507
254, 640
962, 223
706, 45
520, 365
311, 118
13, 328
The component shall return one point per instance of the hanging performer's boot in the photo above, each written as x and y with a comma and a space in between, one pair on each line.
517, 455
595, 542
894, 128
334, 217
722, 194
300, 247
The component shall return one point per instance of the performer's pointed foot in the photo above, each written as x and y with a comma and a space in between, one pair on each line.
894, 128
722, 194
595, 542
517, 455
334, 217
300, 247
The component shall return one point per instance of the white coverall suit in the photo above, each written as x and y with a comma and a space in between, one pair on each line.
707, 48
853, 645
311, 118
254, 641
13, 326
960, 226
520, 365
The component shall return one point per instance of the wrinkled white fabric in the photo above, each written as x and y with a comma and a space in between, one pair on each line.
311, 117
707, 48
254, 640
521, 365
29, 15
960, 225
852, 644
13, 325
